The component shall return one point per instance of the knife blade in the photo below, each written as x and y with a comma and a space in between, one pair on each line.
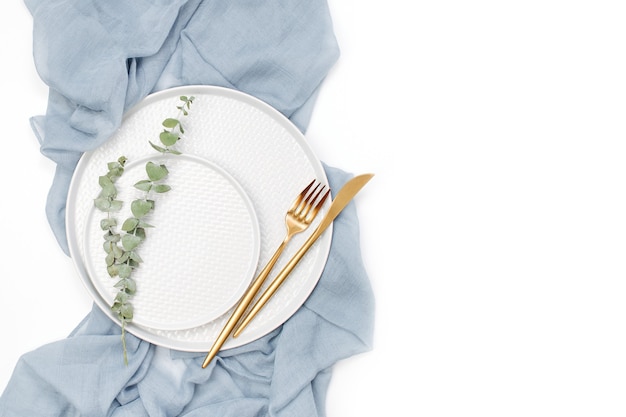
341, 200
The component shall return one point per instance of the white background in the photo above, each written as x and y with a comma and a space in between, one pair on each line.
494, 231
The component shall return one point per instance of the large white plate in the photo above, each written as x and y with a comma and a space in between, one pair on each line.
266, 156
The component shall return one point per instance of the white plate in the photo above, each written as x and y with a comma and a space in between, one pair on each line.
200, 256
228, 134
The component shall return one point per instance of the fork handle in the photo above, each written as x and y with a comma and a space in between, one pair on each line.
278, 281
243, 304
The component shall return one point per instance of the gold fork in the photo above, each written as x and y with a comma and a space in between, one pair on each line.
298, 218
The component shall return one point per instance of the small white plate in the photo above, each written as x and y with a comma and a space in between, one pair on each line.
199, 257
241, 137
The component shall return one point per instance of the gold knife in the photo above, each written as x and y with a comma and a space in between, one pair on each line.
341, 200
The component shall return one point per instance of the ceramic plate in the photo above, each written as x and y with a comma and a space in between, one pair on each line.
243, 163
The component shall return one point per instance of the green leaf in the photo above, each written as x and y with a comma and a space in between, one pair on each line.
109, 259
112, 270
162, 188
130, 224
117, 251
140, 208
156, 172
116, 205
131, 286
128, 285
140, 233
168, 138
170, 123
109, 192
106, 224
121, 298
127, 311
111, 237
102, 203
144, 225
115, 173
135, 257
130, 242
124, 270
123, 257
107, 246
174, 151
158, 148
104, 181
143, 185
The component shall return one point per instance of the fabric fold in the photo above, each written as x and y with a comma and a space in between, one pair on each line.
99, 62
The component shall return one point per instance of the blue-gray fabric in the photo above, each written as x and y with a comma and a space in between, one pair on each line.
99, 59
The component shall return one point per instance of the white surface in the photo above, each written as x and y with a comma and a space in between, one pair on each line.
503, 294
269, 159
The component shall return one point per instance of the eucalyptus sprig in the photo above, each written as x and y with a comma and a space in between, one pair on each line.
173, 128
122, 261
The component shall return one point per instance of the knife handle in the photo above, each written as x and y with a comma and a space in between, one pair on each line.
278, 281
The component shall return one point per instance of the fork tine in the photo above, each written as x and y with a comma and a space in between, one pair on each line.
308, 201
318, 206
311, 201
300, 197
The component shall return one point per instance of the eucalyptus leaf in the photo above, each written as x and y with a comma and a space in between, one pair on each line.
140, 232
140, 208
121, 297
104, 181
116, 205
106, 224
135, 257
124, 270
117, 251
130, 224
123, 258
168, 138
131, 286
102, 203
111, 237
127, 311
130, 242
170, 123
109, 259
143, 185
162, 188
112, 270
156, 172
158, 148
109, 192
107, 246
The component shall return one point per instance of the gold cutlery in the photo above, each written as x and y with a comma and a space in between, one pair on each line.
343, 197
298, 218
